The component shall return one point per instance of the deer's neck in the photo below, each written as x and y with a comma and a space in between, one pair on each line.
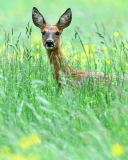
59, 63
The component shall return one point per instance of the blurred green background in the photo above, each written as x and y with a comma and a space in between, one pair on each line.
86, 13
71, 123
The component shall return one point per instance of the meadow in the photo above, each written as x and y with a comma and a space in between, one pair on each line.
40, 121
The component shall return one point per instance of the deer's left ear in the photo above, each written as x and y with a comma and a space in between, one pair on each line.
65, 19
37, 18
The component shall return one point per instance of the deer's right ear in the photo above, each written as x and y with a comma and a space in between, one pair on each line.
37, 18
65, 19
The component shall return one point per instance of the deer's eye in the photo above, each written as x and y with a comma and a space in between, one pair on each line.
57, 33
44, 32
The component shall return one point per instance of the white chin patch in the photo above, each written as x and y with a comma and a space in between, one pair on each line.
49, 48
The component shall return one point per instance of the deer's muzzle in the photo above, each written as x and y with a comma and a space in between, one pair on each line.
49, 44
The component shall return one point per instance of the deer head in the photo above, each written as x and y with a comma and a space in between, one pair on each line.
51, 33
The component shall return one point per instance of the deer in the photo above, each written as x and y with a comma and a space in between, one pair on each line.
51, 41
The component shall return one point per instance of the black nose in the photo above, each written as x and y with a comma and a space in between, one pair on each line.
49, 43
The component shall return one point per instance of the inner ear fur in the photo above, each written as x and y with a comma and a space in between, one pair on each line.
37, 18
65, 19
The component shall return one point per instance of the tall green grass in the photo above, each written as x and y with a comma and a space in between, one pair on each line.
40, 121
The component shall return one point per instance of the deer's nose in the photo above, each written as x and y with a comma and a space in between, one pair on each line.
49, 44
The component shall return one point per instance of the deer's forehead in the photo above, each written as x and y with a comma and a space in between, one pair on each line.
52, 28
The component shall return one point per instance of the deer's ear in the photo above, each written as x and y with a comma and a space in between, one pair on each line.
37, 18
65, 19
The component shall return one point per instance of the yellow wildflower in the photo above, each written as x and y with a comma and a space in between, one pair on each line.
37, 55
41, 64
8, 55
32, 75
104, 48
116, 34
96, 62
108, 61
37, 47
91, 56
35, 139
14, 54
0, 50
86, 47
84, 54
117, 149
75, 58
31, 140
4, 46
31, 45
91, 102
83, 60
21, 56
93, 49
126, 63
64, 52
